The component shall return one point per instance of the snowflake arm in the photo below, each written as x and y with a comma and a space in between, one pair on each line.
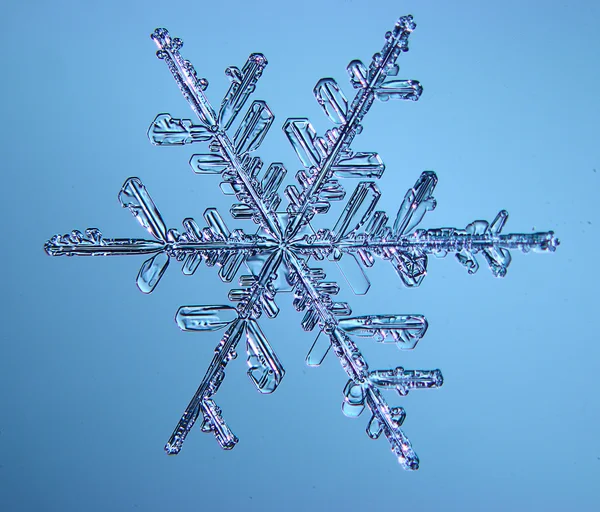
214, 244
231, 158
363, 387
364, 233
331, 155
265, 370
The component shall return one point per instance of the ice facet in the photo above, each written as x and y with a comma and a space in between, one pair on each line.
332, 100
166, 131
271, 182
253, 127
302, 136
358, 209
404, 330
399, 90
359, 165
213, 421
151, 272
319, 350
358, 74
498, 260
405, 380
265, 370
208, 164
417, 201
352, 270
134, 196
354, 400
205, 318
411, 267
374, 428
242, 86
216, 223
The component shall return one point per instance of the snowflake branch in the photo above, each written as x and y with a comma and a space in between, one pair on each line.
214, 244
265, 369
237, 167
363, 385
322, 155
364, 233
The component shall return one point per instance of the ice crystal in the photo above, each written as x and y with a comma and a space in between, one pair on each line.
285, 251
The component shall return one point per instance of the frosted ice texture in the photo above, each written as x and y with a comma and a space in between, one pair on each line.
285, 252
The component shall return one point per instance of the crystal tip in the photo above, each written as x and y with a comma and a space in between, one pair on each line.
412, 464
553, 242
172, 449
48, 246
406, 23
164, 41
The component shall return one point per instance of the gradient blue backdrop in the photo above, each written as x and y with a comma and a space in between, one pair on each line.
94, 375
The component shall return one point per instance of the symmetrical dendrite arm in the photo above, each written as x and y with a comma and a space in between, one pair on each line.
327, 158
362, 234
265, 370
214, 244
229, 156
312, 295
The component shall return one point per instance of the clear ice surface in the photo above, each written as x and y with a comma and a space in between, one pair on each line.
285, 253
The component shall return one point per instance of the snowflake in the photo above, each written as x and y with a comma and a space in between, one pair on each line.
280, 255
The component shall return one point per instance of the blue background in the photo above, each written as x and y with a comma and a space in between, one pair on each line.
94, 375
